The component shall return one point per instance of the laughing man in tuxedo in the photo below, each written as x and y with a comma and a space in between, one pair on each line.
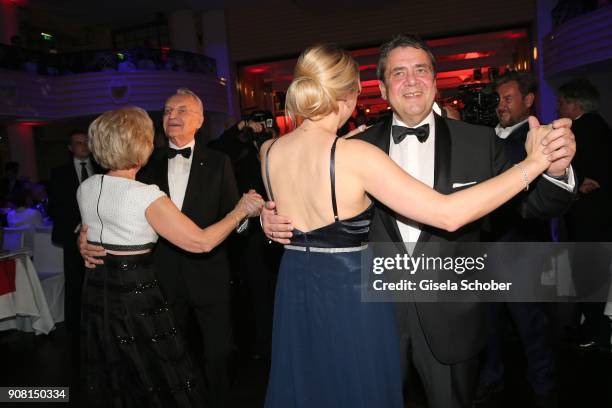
442, 339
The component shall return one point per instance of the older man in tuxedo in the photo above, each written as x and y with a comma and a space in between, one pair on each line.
442, 339
200, 181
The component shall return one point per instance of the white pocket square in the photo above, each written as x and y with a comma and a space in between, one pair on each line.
457, 185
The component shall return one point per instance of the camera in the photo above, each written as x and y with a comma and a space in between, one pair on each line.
267, 121
479, 101
264, 117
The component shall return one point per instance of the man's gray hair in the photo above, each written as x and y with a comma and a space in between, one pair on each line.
186, 91
582, 92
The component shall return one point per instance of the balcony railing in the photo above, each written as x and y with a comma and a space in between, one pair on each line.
141, 59
583, 40
42, 97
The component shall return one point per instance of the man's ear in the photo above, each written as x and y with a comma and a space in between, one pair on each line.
529, 99
383, 89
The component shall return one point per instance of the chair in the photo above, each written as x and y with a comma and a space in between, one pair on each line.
14, 238
48, 258
49, 264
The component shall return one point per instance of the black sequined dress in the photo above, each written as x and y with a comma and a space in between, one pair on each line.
133, 354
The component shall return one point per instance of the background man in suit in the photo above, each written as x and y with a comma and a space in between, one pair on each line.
11, 182
589, 219
442, 339
201, 183
517, 95
64, 211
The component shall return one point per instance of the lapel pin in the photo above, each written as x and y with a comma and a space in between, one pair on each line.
201, 163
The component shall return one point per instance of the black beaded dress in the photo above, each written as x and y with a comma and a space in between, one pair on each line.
132, 352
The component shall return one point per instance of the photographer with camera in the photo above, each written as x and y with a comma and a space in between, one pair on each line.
254, 262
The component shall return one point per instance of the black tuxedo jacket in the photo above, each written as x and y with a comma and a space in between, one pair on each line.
594, 143
590, 219
463, 153
211, 193
63, 207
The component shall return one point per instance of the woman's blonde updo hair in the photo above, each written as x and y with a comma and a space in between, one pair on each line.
323, 74
121, 139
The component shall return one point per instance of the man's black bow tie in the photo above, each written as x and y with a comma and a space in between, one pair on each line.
399, 133
186, 152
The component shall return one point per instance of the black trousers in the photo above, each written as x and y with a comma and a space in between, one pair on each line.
446, 385
207, 329
533, 328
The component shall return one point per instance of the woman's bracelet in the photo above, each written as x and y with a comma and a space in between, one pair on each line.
525, 176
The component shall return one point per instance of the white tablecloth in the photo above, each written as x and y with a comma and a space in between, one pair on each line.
25, 309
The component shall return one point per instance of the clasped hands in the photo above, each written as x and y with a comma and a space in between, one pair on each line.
250, 205
559, 145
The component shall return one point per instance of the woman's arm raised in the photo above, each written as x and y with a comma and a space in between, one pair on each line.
404, 194
177, 228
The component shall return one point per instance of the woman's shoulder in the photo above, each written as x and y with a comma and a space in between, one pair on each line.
144, 193
355, 147
89, 184
265, 146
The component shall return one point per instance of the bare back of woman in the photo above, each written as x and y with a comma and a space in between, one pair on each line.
299, 176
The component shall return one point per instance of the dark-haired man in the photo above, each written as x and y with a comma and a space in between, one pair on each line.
517, 91
442, 339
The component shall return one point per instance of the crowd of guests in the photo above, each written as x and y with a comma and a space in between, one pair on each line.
16, 57
24, 204
151, 314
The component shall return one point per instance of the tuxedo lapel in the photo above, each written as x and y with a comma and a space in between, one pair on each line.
74, 179
442, 168
161, 171
380, 136
198, 173
442, 160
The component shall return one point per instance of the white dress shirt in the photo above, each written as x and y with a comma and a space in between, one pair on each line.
417, 159
178, 174
77, 167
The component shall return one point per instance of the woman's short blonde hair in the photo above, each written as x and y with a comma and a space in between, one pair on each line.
323, 74
122, 139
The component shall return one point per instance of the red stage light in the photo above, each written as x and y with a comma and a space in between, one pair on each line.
514, 36
367, 66
257, 70
370, 83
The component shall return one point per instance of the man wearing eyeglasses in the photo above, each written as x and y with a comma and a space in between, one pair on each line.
201, 183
